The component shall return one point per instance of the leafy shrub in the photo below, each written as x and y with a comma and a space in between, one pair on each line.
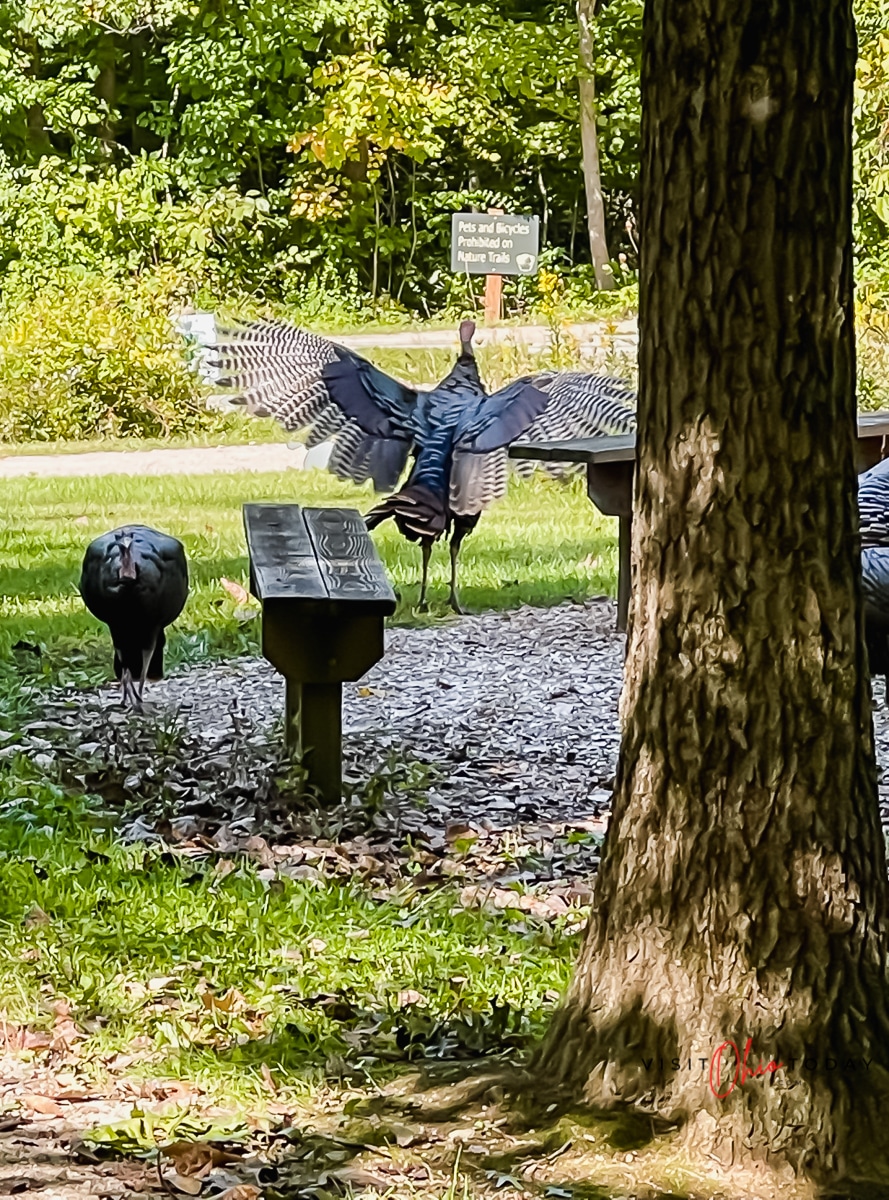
118, 222
872, 331
87, 357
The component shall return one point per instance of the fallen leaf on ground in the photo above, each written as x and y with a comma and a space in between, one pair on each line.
409, 997
35, 917
257, 847
231, 1001
238, 593
196, 1158
357, 1177
403, 1134
188, 1184
458, 829
161, 982
44, 1105
243, 1191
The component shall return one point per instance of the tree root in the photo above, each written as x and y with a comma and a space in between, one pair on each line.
447, 1101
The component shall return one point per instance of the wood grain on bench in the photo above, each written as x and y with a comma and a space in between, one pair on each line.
347, 559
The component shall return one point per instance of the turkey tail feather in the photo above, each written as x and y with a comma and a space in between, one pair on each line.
417, 511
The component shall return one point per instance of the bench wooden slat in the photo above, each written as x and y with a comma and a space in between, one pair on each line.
873, 424
282, 558
347, 559
619, 447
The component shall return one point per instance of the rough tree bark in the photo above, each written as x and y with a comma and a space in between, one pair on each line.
742, 893
589, 140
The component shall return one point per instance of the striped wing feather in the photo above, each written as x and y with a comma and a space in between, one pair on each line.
477, 480
873, 505
581, 405
311, 385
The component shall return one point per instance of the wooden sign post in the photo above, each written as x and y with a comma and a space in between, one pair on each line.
493, 287
493, 299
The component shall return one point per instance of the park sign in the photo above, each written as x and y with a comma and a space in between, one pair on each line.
494, 244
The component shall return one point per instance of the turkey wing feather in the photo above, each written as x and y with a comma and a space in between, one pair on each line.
873, 505
581, 405
311, 384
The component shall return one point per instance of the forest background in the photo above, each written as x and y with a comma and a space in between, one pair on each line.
305, 158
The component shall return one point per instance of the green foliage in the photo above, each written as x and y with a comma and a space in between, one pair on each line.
57, 216
872, 130
370, 108
84, 358
259, 147
872, 320
309, 155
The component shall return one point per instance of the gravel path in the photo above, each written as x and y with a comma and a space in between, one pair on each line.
518, 710
589, 335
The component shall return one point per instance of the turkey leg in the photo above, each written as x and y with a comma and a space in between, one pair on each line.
129, 695
147, 656
426, 549
460, 532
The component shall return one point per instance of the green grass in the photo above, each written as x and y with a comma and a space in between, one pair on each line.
542, 544
131, 943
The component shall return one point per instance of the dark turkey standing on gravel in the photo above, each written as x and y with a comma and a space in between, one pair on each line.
873, 509
135, 580
457, 433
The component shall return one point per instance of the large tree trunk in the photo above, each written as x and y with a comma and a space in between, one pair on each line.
742, 893
589, 140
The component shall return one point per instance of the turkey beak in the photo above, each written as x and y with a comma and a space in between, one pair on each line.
127, 566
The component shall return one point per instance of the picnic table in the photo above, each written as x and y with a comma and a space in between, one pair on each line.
611, 462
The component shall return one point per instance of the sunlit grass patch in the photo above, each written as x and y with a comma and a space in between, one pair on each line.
543, 544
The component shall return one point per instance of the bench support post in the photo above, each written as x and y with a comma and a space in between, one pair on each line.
624, 571
610, 487
314, 730
324, 597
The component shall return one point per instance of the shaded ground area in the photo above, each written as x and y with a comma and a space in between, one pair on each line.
480, 754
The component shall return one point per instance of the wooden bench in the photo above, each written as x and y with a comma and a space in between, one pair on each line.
324, 596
